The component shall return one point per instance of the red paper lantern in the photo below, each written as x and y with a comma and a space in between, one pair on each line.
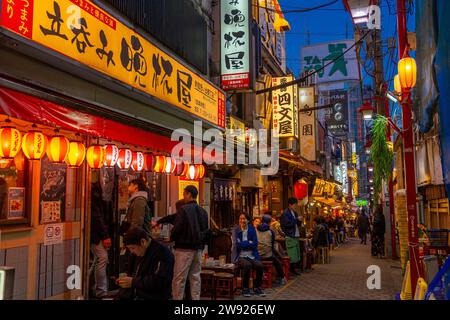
201, 171
111, 155
125, 159
58, 147
95, 156
149, 162
300, 189
10, 139
137, 164
171, 165
193, 173
76, 155
34, 144
160, 164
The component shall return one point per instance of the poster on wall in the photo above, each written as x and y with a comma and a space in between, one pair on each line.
154, 186
16, 203
53, 234
307, 123
182, 183
235, 37
52, 197
224, 190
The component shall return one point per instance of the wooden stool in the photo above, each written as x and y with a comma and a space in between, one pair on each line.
223, 285
323, 255
267, 281
286, 262
207, 279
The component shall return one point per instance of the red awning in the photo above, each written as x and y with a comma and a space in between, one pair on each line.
29, 108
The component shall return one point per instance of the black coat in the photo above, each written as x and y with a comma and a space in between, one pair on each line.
363, 223
152, 274
379, 224
190, 227
99, 228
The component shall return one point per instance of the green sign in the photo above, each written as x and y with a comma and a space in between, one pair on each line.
362, 203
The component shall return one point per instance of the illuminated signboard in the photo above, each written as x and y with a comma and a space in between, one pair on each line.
285, 108
307, 123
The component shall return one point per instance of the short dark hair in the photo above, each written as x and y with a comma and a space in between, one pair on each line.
292, 200
192, 190
134, 236
139, 183
245, 215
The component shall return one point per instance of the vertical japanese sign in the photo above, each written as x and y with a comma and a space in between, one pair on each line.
285, 108
344, 175
83, 32
235, 37
307, 122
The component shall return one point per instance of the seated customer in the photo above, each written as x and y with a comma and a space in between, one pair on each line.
266, 246
151, 268
245, 255
320, 234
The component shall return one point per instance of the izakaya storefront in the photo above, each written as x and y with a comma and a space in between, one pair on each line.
68, 122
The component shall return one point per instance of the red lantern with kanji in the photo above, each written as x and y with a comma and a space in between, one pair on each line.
111, 155
201, 171
137, 164
160, 164
10, 139
34, 144
125, 159
181, 169
149, 162
95, 156
58, 147
171, 165
76, 154
19, 161
300, 189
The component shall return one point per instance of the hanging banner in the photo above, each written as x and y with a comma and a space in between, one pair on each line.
83, 32
224, 190
344, 174
341, 69
285, 108
307, 122
235, 38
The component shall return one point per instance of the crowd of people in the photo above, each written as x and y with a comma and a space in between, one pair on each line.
154, 271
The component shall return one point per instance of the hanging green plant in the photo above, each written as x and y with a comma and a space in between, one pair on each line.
381, 155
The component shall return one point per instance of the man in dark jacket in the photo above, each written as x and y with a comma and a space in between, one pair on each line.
363, 227
151, 268
100, 242
189, 233
290, 223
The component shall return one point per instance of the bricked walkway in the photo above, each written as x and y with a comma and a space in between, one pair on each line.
344, 278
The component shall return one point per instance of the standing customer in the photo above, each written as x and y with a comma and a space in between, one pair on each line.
190, 234
379, 228
363, 227
100, 242
290, 223
245, 255
138, 212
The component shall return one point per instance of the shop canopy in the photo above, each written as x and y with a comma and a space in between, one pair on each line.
300, 162
330, 202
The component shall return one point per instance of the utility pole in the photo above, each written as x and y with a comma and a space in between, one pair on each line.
379, 70
408, 149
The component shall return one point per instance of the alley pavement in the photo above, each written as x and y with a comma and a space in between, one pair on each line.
345, 278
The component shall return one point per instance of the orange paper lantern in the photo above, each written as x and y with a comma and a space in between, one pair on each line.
160, 164
137, 164
95, 156
19, 161
10, 139
58, 147
201, 171
407, 72
111, 155
76, 154
125, 159
171, 165
34, 145
193, 172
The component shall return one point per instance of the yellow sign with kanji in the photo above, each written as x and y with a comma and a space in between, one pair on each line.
81, 31
183, 184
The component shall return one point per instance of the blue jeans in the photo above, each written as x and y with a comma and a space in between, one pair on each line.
99, 266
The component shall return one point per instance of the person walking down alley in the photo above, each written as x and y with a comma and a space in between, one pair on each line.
151, 268
378, 231
138, 212
290, 223
266, 246
190, 233
363, 227
245, 255
100, 242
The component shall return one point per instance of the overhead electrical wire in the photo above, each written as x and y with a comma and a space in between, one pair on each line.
298, 10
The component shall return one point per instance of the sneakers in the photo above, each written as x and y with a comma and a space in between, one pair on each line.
259, 292
246, 293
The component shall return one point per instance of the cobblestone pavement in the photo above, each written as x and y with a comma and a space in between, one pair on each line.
344, 278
